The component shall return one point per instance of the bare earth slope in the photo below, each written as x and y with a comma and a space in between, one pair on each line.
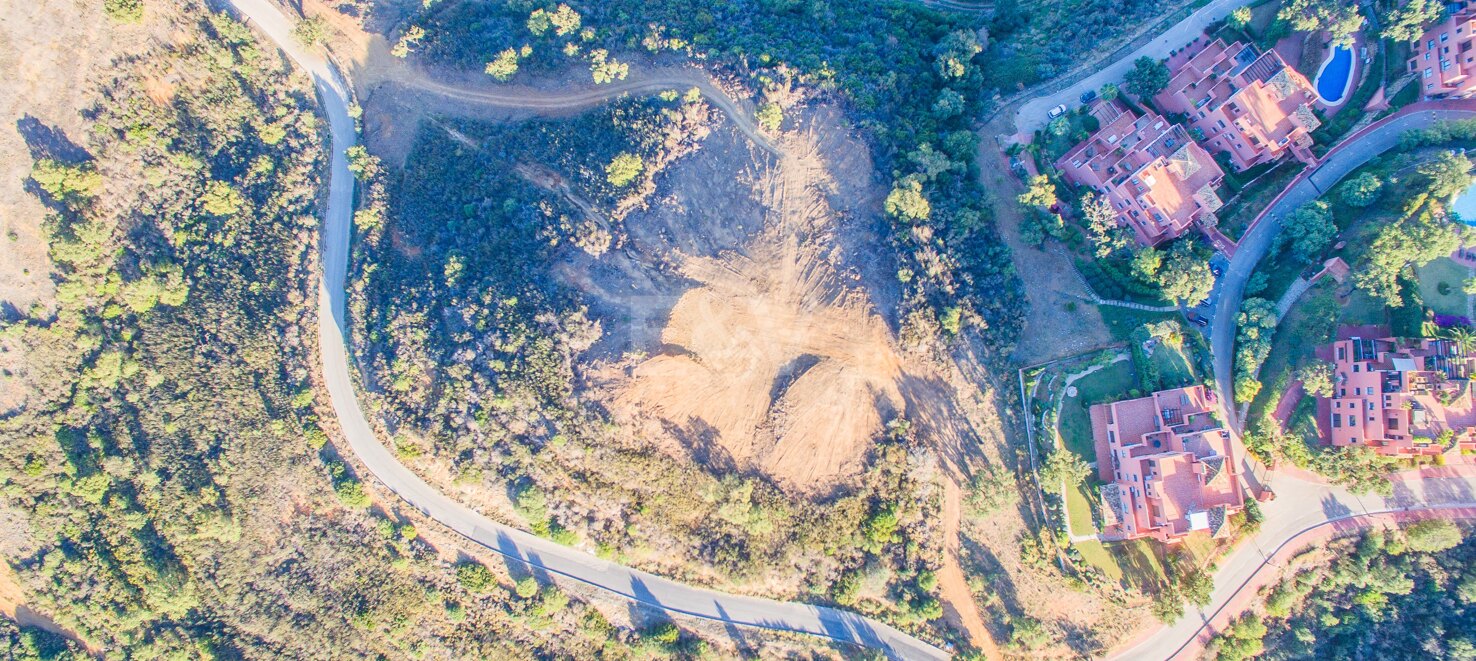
776, 358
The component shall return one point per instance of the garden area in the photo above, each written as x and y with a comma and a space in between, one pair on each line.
1113, 382
1442, 286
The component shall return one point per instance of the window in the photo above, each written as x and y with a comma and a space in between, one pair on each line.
1337, 419
1355, 367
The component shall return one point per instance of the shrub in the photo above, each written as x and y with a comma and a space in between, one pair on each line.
1432, 536
475, 577
124, 11
624, 169
770, 116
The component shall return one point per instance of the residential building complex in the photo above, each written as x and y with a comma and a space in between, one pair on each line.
1252, 107
1402, 397
1169, 466
1443, 59
1149, 170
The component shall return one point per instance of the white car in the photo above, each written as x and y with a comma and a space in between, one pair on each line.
1056, 111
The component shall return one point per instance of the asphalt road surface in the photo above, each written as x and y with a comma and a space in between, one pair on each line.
1032, 114
1299, 505
537, 553
1346, 157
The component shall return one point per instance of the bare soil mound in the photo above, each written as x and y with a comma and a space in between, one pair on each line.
772, 356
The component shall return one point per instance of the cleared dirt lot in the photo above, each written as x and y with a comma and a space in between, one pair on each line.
772, 355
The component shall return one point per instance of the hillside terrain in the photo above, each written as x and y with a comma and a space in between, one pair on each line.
698, 329
171, 484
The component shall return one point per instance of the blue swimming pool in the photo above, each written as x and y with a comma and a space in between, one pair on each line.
1464, 206
1335, 76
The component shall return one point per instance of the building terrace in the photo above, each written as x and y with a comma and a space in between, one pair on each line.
1157, 179
1253, 108
1400, 396
1168, 464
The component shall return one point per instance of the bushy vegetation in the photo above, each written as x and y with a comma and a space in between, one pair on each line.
1389, 595
472, 349
167, 484
914, 92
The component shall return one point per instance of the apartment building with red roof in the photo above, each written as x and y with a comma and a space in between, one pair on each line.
1444, 59
1157, 179
1252, 107
1169, 466
1402, 397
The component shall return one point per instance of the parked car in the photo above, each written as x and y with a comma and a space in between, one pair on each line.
1215, 269
1088, 96
1057, 111
1201, 322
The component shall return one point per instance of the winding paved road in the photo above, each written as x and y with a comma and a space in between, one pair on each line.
1347, 156
515, 544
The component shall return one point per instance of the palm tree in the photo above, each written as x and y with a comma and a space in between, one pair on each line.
1463, 338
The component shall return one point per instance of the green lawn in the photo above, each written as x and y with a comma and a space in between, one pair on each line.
1174, 367
1362, 309
1121, 322
1079, 506
1097, 555
1109, 383
1311, 322
1443, 275
1137, 564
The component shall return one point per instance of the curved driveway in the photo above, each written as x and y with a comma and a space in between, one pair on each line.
1349, 155
536, 552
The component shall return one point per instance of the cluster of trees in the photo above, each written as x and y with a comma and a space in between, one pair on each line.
1341, 19
169, 470
1185, 582
1407, 593
1308, 231
914, 92
1255, 328
1405, 21
1360, 469
1030, 43
470, 348
1418, 236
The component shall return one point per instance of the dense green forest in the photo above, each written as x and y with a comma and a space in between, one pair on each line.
1397, 594
168, 478
913, 77
474, 351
